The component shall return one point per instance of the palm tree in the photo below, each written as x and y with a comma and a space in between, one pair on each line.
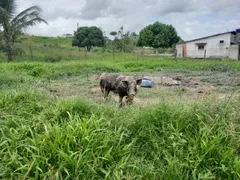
13, 25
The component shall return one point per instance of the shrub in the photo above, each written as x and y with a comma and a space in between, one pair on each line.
220, 67
52, 58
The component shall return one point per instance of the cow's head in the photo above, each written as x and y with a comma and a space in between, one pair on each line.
131, 84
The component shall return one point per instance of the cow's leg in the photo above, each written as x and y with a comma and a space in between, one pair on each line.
102, 89
129, 100
106, 93
120, 101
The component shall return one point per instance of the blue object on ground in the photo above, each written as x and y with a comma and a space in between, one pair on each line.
147, 83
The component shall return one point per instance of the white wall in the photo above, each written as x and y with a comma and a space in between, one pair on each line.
213, 48
233, 52
179, 48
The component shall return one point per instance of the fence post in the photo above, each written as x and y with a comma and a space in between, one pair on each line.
175, 54
30, 47
113, 53
238, 52
85, 53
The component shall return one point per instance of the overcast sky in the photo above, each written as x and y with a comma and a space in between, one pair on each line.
191, 18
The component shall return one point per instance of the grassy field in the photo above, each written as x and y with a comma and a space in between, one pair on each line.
55, 124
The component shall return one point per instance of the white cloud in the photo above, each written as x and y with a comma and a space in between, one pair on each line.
191, 18
191, 23
188, 31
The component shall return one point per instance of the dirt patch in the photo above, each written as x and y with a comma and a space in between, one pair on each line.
95, 89
64, 90
167, 88
180, 81
166, 80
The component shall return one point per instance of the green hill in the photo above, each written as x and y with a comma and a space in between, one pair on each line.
42, 40
48, 49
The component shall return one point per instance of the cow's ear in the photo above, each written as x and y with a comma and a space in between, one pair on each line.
139, 81
125, 83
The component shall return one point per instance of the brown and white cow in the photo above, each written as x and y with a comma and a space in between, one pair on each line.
120, 84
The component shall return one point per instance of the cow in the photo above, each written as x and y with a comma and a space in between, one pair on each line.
108, 83
124, 86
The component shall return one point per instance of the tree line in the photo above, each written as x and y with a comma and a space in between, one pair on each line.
156, 35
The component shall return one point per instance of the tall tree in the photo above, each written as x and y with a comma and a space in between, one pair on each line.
113, 33
88, 37
120, 32
13, 25
126, 42
158, 35
1, 40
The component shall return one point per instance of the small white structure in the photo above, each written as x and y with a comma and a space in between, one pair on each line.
223, 45
67, 35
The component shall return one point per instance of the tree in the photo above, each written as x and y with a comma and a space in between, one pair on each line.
1, 40
124, 42
158, 35
120, 32
133, 34
13, 25
113, 33
88, 37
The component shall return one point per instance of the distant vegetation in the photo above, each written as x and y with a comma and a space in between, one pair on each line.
47, 41
88, 37
34, 48
158, 35
92, 38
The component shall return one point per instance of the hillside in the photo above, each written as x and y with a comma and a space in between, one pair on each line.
49, 49
41, 40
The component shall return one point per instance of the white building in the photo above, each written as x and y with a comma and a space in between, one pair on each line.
223, 45
67, 35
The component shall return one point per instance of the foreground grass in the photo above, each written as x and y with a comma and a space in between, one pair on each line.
49, 138
44, 137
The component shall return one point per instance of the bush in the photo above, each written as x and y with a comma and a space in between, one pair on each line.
52, 58
220, 67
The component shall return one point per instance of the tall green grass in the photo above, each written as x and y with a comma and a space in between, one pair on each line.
44, 138
194, 142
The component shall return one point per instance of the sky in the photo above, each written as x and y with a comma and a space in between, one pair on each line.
191, 18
